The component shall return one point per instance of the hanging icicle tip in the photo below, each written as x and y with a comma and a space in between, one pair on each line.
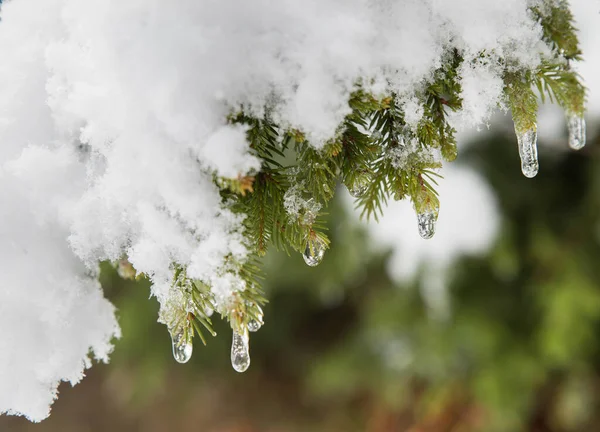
576, 129
240, 351
426, 222
527, 142
427, 208
182, 346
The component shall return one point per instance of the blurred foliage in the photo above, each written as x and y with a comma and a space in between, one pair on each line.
345, 349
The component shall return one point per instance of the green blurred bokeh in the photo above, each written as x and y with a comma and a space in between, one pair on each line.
345, 349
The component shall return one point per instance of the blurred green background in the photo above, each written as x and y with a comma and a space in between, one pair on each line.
346, 349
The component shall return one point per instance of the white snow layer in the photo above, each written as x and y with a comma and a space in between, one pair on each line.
112, 123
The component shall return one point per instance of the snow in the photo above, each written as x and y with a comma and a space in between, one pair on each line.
52, 311
112, 124
482, 85
226, 143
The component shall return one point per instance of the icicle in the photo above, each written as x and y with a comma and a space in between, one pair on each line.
360, 186
528, 152
240, 351
182, 350
576, 127
315, 249
426, 222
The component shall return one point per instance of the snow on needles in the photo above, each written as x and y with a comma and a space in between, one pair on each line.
112, 123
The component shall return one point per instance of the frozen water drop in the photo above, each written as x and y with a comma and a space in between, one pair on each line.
315, 249
576, 127
254, 325
240, 351
528, 152
359, 187
426, 222
182, 349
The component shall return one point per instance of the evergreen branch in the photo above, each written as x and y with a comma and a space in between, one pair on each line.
444, 93
558, 26
561, 84
318, 172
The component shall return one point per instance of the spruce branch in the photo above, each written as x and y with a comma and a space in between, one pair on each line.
558, 26
559, 83
284, 202
442, 94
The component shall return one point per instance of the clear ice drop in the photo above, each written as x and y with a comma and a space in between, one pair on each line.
315, 249
240, 351
254, 325
576, 127
182, 350
528, 152
359, 187
426, 222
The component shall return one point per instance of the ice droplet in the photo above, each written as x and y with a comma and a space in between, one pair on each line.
254, 325
315, 249
576, 127
359, 187
240, 351
528, 152
182, 350
426, 222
